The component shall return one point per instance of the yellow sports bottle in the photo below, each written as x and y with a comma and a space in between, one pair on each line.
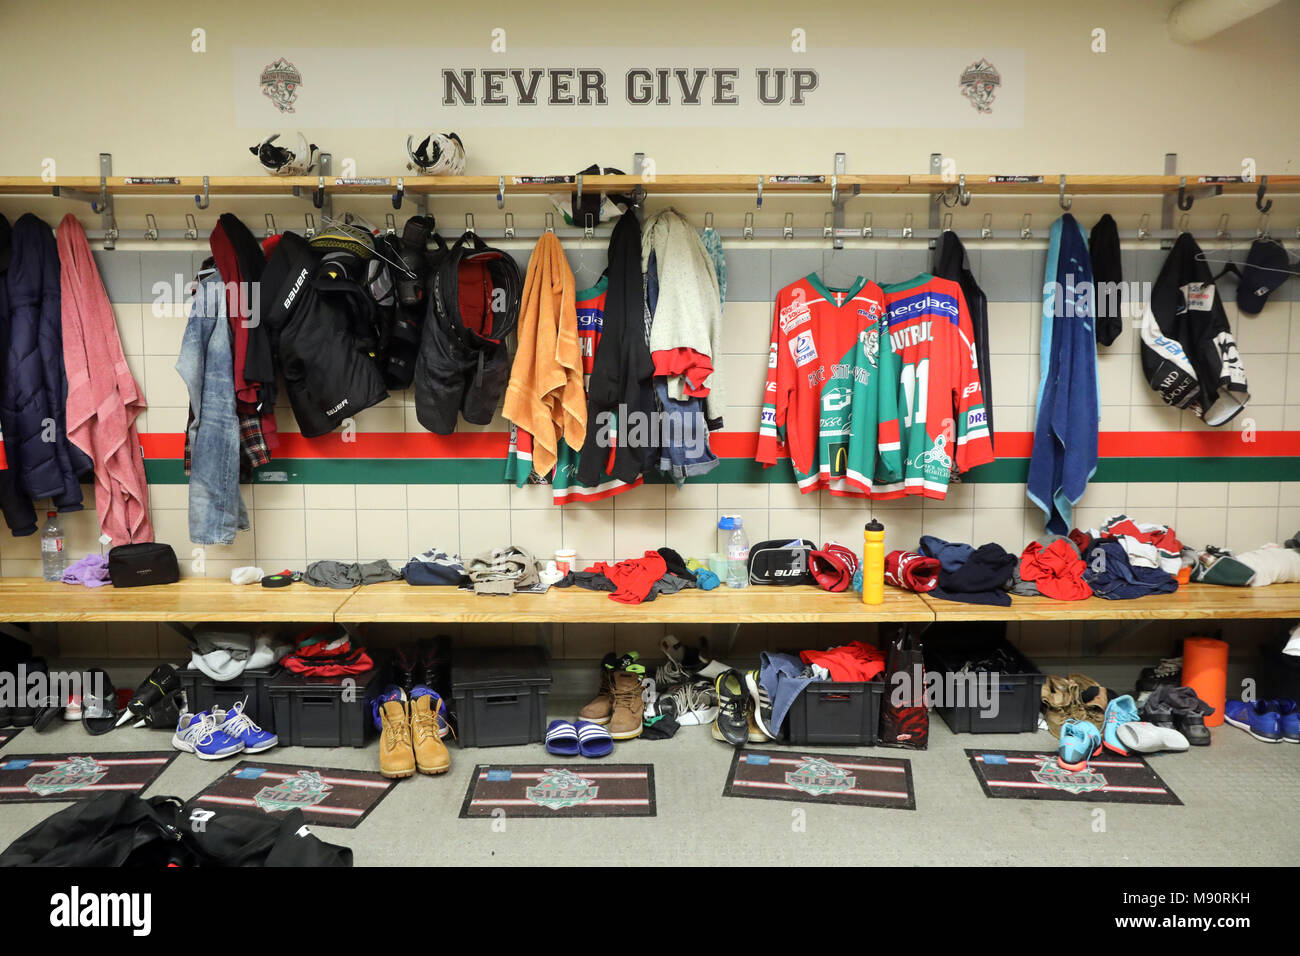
873, 563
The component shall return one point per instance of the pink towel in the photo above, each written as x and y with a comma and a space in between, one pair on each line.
103, 397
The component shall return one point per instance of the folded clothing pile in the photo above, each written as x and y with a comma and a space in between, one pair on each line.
223, 653
1147, 545
434, 567
1111, 576
341, 575
327, 651
980, 577
856, 662
502, 571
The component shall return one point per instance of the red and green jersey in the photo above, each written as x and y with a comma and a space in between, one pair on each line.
940, 403
564, 480
814, 349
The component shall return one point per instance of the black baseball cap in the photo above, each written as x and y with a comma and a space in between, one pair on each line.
1267, 267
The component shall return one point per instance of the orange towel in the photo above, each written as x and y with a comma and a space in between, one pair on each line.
545, 396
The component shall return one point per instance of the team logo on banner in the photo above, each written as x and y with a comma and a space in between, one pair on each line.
78, 772
561, 788
979, 84
305, 790
1054, 776
280, 81
818, 776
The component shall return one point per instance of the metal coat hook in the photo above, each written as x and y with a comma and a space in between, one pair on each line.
501, 192
708, 220
550, 222
589, 226
1222, 231
758, 201
578, 181
1025, 231
270, 226
469, 223
1144, 226
191, 226
151, 227
947, 222
866, 226
510, 225
1184, 222
748, 231
1261, 231
203, 199
828, 230
310, 225
400, 194
907, 226
318, 198
787, 231
963, 194
1066, 202
1259, 195
835, 189
986, 229
1184, 201
390, 224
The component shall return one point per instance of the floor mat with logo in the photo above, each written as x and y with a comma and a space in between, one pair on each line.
55, 778
850, 780
326, 797
539, 790
1029, 775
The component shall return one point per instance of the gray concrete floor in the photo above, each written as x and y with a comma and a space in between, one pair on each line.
1240, 798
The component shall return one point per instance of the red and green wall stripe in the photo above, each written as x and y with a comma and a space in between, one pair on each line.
479, 458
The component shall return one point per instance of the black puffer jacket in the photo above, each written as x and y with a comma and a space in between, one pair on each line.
33, 400
320, 320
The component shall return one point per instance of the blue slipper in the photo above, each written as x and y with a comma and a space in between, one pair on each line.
593, 739
562, 739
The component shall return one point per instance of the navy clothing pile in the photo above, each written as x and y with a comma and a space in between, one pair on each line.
1111, 576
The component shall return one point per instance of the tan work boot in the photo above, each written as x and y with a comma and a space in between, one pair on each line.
1060, 702
396, 754
601, 707
431, 754
625, 716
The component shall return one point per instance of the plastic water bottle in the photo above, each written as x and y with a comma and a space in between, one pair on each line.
53, 557
737, 551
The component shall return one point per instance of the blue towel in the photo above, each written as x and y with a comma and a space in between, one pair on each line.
950, 555
1064, 457
783, 677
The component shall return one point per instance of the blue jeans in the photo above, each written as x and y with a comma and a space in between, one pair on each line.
206, 364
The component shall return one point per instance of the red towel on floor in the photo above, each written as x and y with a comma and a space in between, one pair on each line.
1057, 570
634, 577
852, 662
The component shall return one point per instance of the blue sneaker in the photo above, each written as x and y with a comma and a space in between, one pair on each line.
391, 692
1121, 710
1289, 711
1080, 742
437, 705
198, 734
1255, 718
237, 725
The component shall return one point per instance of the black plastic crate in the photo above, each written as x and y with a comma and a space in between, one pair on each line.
836, 712
1278, 673
327, 711
253, 685
948, 647
499, 695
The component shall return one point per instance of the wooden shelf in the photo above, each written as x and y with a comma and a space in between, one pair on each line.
711, 184
1192, 602
397, 602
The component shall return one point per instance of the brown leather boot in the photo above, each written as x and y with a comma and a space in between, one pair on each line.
396, 754
625, 716
431, 754
602, 705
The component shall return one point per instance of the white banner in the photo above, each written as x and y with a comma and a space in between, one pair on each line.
419, 89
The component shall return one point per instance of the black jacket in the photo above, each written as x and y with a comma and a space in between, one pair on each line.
121, 829
622, 370
320, 321
951, 262
33, 400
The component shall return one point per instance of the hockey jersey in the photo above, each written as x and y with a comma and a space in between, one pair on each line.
564, 480
943, 422
822, 343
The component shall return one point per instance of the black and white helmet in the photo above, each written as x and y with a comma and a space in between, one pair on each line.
280, 161
438, 154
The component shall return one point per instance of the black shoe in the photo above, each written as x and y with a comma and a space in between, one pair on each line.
164, 680
762, 705
1169, 672
1192, 726
434, 655
408, 668
732, 723
26, 716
